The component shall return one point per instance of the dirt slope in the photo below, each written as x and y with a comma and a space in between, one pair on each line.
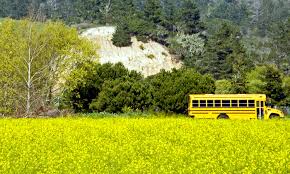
147, 58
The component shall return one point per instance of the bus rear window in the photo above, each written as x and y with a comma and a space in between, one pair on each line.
195, 103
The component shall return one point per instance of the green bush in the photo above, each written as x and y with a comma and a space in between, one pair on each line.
151, 56
114, 89
82, 91
122, 94
171, 89
122, 37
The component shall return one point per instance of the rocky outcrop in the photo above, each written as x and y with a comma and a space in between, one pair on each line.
147, 58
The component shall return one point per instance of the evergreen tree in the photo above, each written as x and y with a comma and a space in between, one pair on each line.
153, 11
225, 54
280, 53
170, 15
189, 18
122, 37
122, 9
235, 11
266, 80
273, 86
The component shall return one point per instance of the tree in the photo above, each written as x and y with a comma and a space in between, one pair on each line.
170, 15
223, 87
232, 10
171, 89
286, 89
189, 18
122, 36
122, 9
266, 80
189, 47
38, 55
280, 53
153, 11
225, 55
86, 82
265, 13
273, 86
122, 93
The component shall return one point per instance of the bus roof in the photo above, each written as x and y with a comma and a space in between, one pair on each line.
229, 96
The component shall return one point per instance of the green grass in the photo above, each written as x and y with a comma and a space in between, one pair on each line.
145, 145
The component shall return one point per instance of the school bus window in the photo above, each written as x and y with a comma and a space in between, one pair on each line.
262, 104
226, 103
243, 103
202, 103
234, 103
251, 103
217, 103
195, 103
210, 103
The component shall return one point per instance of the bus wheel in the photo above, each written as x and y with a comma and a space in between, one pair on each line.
223, 116
274, 116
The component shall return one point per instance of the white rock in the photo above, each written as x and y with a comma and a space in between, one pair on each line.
133, 57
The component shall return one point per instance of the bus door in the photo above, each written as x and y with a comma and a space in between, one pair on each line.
260, 110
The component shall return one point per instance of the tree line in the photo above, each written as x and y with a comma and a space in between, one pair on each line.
46, 64
242, 45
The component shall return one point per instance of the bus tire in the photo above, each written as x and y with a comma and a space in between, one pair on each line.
223, 116
274, 116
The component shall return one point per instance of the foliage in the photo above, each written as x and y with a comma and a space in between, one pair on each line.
266, 80
122, 37
111, 88
224, 38
35, 56
223, 87
235, 11
86, 82
286, 89
142, 145
189, 47
153, 21
189, 18
171, 89
120, 94
225, 54
280, 52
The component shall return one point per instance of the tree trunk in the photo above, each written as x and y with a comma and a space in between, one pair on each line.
28, 99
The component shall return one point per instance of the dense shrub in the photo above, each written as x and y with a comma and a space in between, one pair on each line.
82, 89
122, 37
267, 80
114, 89
171, 89
123, 94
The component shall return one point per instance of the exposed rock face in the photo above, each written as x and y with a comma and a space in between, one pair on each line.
147, 58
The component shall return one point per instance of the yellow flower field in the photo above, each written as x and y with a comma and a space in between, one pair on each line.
153, 145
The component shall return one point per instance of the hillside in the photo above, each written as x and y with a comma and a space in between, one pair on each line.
147, 58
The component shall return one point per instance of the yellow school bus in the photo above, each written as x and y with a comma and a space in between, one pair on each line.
231, 106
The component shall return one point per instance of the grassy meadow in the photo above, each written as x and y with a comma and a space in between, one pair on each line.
143, 145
